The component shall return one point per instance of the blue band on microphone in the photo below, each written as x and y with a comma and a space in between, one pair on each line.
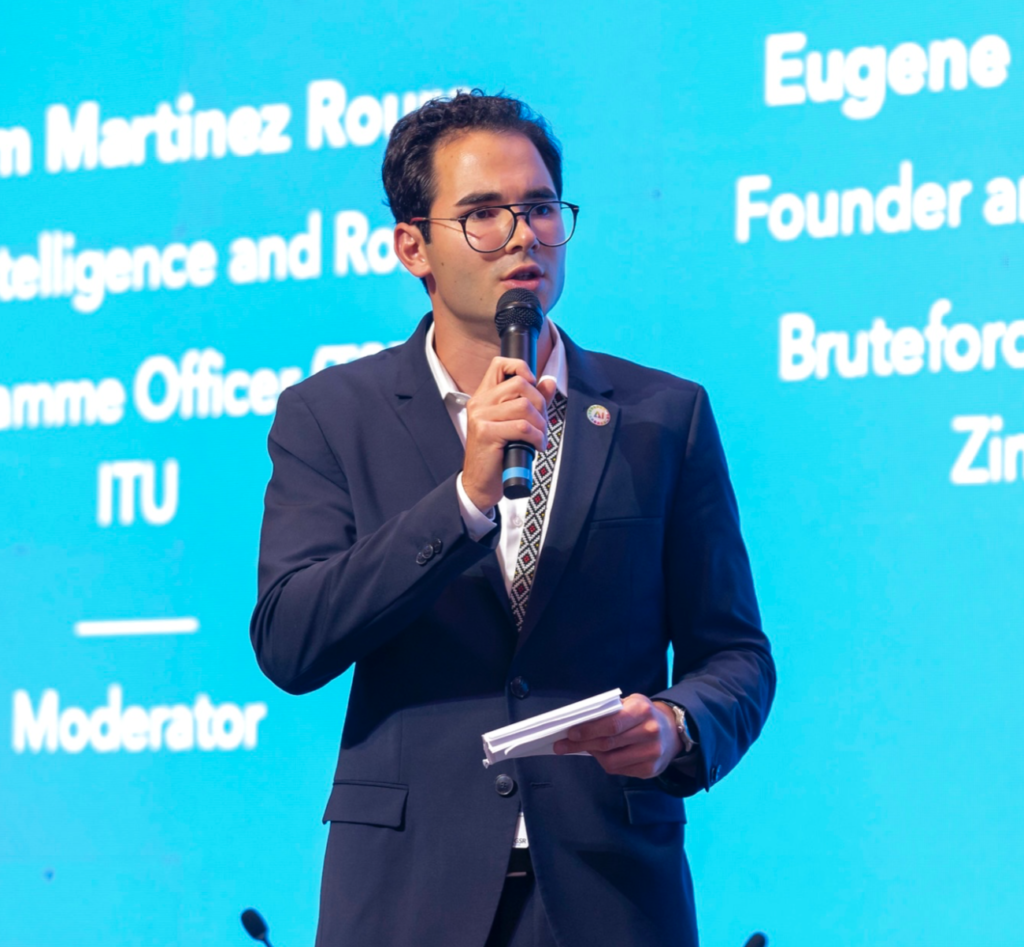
523, 472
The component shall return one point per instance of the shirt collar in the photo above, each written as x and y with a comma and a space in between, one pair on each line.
555, 368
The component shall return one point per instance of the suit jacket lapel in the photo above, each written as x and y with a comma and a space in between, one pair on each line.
421, 409
492, 570
425, 416
584, 455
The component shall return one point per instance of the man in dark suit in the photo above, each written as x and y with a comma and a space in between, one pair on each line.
387, 544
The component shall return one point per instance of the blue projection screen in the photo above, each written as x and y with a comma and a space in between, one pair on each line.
815, 210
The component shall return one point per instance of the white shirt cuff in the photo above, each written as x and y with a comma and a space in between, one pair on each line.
478, 524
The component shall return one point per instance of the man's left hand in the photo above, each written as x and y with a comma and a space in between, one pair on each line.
640, 740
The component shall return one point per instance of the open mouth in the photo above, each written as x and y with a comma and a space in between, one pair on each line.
526, 274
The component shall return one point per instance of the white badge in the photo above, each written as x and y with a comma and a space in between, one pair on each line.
521, 840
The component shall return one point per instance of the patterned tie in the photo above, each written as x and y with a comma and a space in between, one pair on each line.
529, 543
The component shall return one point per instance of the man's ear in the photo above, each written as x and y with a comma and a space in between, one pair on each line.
410, 248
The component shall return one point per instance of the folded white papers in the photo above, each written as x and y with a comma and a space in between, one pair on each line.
537, 735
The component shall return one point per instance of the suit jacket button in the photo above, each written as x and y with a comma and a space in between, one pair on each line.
505, 785
520, 687
425, 555
716, 771
437, 546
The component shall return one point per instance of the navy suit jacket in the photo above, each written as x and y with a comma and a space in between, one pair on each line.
365, 560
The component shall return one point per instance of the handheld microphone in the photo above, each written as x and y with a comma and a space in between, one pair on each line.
519, 319
757, 940
255, 926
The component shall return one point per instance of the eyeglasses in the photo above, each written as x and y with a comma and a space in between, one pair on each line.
488, 229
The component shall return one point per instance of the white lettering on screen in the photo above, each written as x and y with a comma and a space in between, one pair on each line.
860, 77
112, 727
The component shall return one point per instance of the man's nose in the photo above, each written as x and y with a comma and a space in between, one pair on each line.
523, 236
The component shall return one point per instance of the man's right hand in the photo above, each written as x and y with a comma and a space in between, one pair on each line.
508, 406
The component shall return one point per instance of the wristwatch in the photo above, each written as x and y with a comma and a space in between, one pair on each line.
681, 727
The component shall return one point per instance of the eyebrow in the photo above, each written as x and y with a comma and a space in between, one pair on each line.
491, 197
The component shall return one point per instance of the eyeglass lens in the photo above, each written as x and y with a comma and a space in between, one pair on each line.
490, 228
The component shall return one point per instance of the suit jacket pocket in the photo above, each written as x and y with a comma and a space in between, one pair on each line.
367, 803
651, 806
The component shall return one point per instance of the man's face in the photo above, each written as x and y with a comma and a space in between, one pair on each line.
474, 170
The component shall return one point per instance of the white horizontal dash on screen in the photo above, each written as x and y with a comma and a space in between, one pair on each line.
136, 626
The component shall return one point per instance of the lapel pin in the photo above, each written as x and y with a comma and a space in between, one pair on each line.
598, 414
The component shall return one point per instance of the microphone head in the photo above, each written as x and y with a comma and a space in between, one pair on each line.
518, 307
254, 924
757, 940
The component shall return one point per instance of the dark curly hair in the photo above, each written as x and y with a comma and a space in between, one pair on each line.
408, 170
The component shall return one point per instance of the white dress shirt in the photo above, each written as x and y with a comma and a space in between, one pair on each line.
513, 512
